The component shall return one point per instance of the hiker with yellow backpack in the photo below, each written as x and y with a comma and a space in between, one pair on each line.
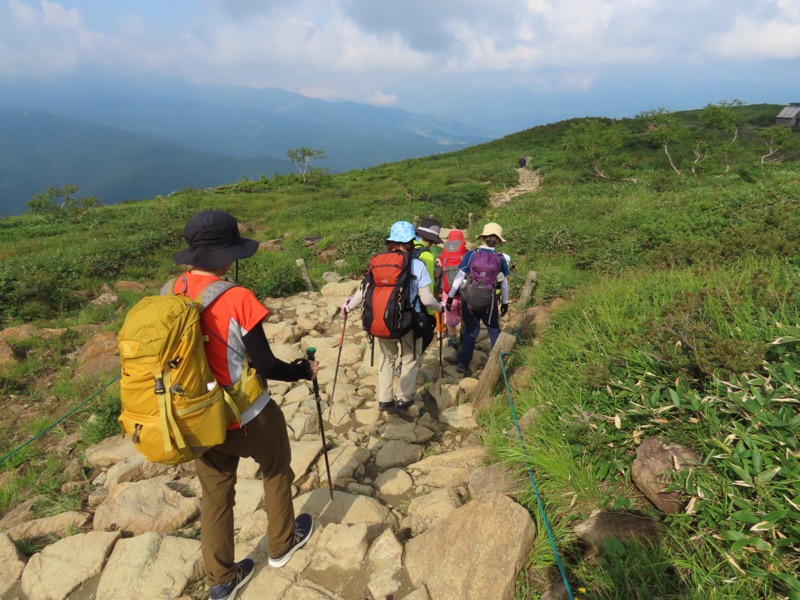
213, 405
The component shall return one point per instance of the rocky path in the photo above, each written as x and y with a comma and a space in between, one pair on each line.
529, 181
418, 512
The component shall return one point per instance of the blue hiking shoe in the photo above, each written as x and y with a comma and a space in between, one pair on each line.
303, 526
227, 591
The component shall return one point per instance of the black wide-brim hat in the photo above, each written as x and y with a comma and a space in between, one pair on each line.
214, 241
429, 229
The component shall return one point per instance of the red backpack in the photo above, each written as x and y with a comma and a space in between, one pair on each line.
449, 261
388, 310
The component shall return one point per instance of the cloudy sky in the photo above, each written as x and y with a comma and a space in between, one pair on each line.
503, 64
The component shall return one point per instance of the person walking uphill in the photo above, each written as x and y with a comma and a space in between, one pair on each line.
427, 251
236, 339
481, 271
449, 262
395, 291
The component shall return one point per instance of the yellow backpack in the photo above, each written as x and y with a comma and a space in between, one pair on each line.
173, 409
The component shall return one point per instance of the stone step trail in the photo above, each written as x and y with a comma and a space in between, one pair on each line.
417, 513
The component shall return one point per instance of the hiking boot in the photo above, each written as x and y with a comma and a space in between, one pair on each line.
303, 525
404, 405
462, 368
226, 591
453, 343
386, 405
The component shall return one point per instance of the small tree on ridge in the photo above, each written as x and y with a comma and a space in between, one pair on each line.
301, 158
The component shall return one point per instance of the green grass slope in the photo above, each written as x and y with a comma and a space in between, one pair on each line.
681, 320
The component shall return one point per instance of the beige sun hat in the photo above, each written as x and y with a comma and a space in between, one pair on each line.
492, 229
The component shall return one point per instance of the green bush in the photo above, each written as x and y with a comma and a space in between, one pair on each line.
358, 247
272, 275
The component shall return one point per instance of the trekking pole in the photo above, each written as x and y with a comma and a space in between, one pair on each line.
338, 358
441, 337
310, 355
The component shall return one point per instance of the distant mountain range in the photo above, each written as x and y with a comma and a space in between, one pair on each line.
126, 140
40, 150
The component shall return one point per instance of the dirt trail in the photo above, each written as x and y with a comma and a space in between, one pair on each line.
529, 181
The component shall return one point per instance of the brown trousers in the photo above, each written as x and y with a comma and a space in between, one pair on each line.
266, 440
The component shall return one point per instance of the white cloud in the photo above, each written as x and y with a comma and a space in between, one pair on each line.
382, 99
56, 16
422, 51
40, 41
751, 40
274, 43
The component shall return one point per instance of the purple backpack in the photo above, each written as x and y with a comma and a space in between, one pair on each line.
478, 290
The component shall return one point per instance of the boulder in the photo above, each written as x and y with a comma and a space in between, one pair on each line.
12, 564
110, 451
145, 506
602, 526
651, 467
480, 549
450, 469
64, 566
150, 566
50, 527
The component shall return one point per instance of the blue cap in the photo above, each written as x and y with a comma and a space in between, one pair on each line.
402, 232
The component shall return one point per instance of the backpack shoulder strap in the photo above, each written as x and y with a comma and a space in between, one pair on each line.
208, 294
409, 269
168, 289
420, 250
471, 258
212, 291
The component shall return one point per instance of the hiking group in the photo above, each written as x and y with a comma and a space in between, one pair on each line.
196, 361
400, 306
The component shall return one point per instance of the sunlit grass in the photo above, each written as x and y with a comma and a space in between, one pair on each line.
670, 284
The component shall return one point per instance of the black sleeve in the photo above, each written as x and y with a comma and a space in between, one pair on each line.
269, 366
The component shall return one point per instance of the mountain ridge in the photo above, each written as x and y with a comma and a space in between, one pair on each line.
39, 150
239, 132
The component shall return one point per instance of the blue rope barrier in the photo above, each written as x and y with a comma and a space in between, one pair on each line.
539, 502
53, 424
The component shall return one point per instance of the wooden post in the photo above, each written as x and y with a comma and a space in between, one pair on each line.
527, 293
530, 285
482, 394
492, 371
304, 272
469, 216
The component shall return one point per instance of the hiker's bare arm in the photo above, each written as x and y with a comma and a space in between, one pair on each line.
429, 300
355, 301
269, 366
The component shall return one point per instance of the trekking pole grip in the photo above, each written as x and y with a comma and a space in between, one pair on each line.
310, 352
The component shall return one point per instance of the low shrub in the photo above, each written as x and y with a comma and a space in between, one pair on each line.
271, 275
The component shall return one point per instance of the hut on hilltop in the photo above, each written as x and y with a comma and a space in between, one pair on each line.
789, 116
